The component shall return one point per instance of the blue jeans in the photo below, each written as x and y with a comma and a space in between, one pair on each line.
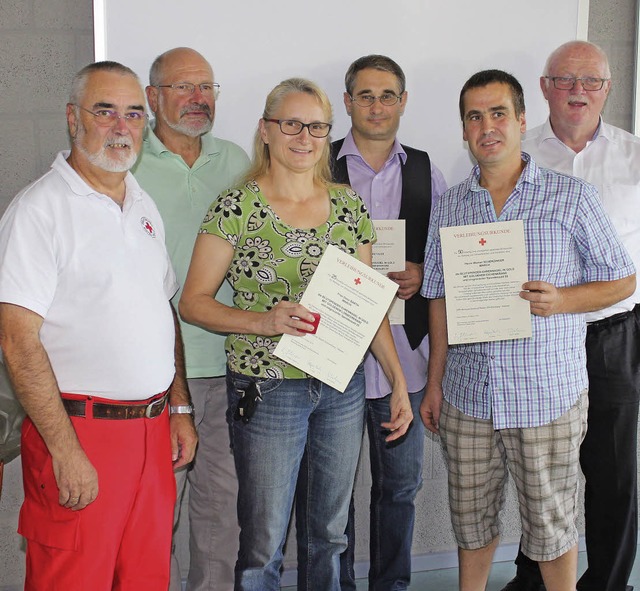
296, 417
396, 478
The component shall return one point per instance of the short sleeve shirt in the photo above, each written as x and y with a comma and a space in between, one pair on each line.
610, 162
569, 241
183, 195
273, 261
101, 279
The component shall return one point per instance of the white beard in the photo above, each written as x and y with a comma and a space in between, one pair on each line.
108, 163
195, 129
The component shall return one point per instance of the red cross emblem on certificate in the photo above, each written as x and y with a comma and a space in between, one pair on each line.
357, 281
482, 241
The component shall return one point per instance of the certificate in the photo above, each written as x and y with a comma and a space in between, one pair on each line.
352, 300
388, 254
485, 266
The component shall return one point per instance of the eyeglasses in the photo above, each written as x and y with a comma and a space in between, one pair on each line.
388, 99
568, 82
294, 127
188, 88
109, 117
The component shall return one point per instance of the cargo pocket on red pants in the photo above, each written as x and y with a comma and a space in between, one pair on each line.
42, 519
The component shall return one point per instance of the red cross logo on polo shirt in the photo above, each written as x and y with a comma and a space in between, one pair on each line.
357, 281
482, 241
148, 227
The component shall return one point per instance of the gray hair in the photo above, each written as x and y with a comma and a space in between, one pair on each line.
155, 72
577, 44
79, 82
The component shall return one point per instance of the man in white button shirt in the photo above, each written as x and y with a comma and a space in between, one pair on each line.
576, 141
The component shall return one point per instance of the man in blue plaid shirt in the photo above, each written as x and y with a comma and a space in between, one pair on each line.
520, 402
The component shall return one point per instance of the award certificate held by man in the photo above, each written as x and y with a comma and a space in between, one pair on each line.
388, 254
485, 266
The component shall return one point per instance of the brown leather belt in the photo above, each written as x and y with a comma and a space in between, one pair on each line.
126, 410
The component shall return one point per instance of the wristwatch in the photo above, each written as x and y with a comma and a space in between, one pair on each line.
182, 409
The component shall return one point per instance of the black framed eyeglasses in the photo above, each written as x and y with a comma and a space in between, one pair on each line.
568, 82
388, 99
294, 127
109, 117
188, 88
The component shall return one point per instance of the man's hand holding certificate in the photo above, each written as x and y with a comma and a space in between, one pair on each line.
388, 254
351, 299
485, 266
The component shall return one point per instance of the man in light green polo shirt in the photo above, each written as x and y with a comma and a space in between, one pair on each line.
183, 167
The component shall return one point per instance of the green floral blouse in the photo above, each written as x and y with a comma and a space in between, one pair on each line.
273, 261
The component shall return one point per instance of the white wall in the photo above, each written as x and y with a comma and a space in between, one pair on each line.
253, 45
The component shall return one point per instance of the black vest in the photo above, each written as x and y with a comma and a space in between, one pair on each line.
415, 209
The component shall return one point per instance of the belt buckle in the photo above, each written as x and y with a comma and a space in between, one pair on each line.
153, 405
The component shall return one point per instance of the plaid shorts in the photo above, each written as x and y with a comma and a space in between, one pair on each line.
544, 464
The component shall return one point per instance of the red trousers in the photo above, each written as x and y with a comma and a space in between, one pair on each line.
121, 541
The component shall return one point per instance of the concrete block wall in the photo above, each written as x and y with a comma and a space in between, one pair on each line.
42, 44
612, 25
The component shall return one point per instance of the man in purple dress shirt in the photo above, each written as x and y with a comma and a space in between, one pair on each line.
395, 182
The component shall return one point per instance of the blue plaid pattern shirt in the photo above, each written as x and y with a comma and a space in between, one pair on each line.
569, 240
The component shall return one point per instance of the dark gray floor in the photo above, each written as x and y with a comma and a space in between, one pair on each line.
447, 579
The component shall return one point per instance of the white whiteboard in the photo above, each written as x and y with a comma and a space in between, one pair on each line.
438, 43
